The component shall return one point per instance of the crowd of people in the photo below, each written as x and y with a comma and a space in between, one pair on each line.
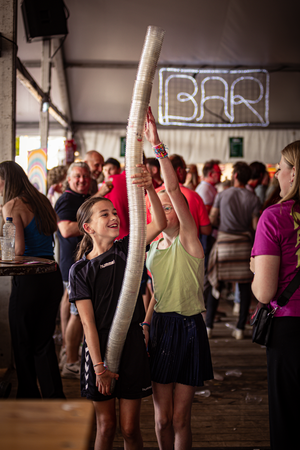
210, 228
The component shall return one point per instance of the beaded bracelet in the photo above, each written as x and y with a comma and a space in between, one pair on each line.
98, 364
101, 373
160, 151
145, 323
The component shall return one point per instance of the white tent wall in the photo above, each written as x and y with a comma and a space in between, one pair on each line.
197, 146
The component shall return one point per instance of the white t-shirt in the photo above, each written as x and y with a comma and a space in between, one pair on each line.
207, 192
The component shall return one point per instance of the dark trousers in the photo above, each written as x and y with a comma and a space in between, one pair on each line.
33, 308
283, 356
212, 305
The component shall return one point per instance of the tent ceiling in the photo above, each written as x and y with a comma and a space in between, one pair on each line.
218, 33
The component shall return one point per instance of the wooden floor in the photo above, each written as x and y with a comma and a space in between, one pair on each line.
232, 412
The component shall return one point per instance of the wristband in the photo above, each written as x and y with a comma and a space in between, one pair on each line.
101, 373
145, 323
160, 151
98, 364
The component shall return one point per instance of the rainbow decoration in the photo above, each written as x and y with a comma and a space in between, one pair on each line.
37, 169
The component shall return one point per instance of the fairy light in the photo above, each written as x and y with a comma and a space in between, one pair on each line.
182, 97
204, 98
230, 99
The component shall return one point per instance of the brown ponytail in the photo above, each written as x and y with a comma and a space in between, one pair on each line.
83, 216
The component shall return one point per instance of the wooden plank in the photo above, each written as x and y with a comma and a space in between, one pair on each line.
46, 424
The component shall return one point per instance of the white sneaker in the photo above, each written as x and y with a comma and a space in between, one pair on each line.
238, 334
71, 370
231, 297
236, 309
209, 332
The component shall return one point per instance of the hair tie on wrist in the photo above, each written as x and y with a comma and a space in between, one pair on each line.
145, 323
160, 151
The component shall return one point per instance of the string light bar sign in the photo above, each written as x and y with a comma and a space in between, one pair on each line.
213, 98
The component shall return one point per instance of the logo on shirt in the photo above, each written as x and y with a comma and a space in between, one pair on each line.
102, 266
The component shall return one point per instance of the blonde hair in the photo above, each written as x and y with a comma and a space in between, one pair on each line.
56, 175
291, 155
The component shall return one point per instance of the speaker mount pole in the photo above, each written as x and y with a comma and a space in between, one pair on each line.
46, 86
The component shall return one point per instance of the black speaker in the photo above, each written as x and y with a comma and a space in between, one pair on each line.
44, 19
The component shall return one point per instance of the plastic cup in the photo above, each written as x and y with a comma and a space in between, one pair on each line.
109, 183
7, 245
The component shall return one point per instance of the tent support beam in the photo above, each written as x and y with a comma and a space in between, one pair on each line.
62, 79
84, 64
46, 87
28, 81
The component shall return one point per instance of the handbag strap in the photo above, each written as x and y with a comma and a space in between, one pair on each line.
289, 290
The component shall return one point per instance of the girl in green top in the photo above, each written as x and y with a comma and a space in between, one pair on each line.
178, 344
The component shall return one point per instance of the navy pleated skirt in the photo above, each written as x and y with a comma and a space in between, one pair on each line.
179, 349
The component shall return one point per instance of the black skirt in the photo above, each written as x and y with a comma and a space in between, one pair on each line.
179, 349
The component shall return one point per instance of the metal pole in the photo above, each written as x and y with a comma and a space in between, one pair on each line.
8, 21
46, 85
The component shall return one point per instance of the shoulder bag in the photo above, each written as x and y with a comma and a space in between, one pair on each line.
261, 319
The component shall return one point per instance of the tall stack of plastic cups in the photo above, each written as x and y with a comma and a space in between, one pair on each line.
136, 198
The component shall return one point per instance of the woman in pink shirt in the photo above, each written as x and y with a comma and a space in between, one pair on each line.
275, 261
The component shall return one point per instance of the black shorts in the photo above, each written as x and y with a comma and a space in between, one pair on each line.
134, 381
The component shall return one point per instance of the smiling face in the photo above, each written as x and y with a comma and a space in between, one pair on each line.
79, 180
95, 162
104, 222
285, 176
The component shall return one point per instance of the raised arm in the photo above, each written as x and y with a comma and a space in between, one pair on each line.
188, 231
158, 222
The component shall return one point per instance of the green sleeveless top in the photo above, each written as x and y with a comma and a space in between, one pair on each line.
177, 279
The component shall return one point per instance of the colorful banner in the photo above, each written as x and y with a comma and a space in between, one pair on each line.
37, 169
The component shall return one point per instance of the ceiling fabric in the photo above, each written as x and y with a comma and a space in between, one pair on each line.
103, 48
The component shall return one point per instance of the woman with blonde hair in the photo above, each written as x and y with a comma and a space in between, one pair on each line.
275, 262
34, 299
55, 181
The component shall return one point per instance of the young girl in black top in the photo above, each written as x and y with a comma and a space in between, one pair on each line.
95, 285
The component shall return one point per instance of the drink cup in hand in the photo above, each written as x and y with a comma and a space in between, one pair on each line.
109, 183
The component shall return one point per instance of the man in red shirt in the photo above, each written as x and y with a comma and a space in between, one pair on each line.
118, 196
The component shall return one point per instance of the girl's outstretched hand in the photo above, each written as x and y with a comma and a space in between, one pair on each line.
143, 178
103, 382
150, 129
